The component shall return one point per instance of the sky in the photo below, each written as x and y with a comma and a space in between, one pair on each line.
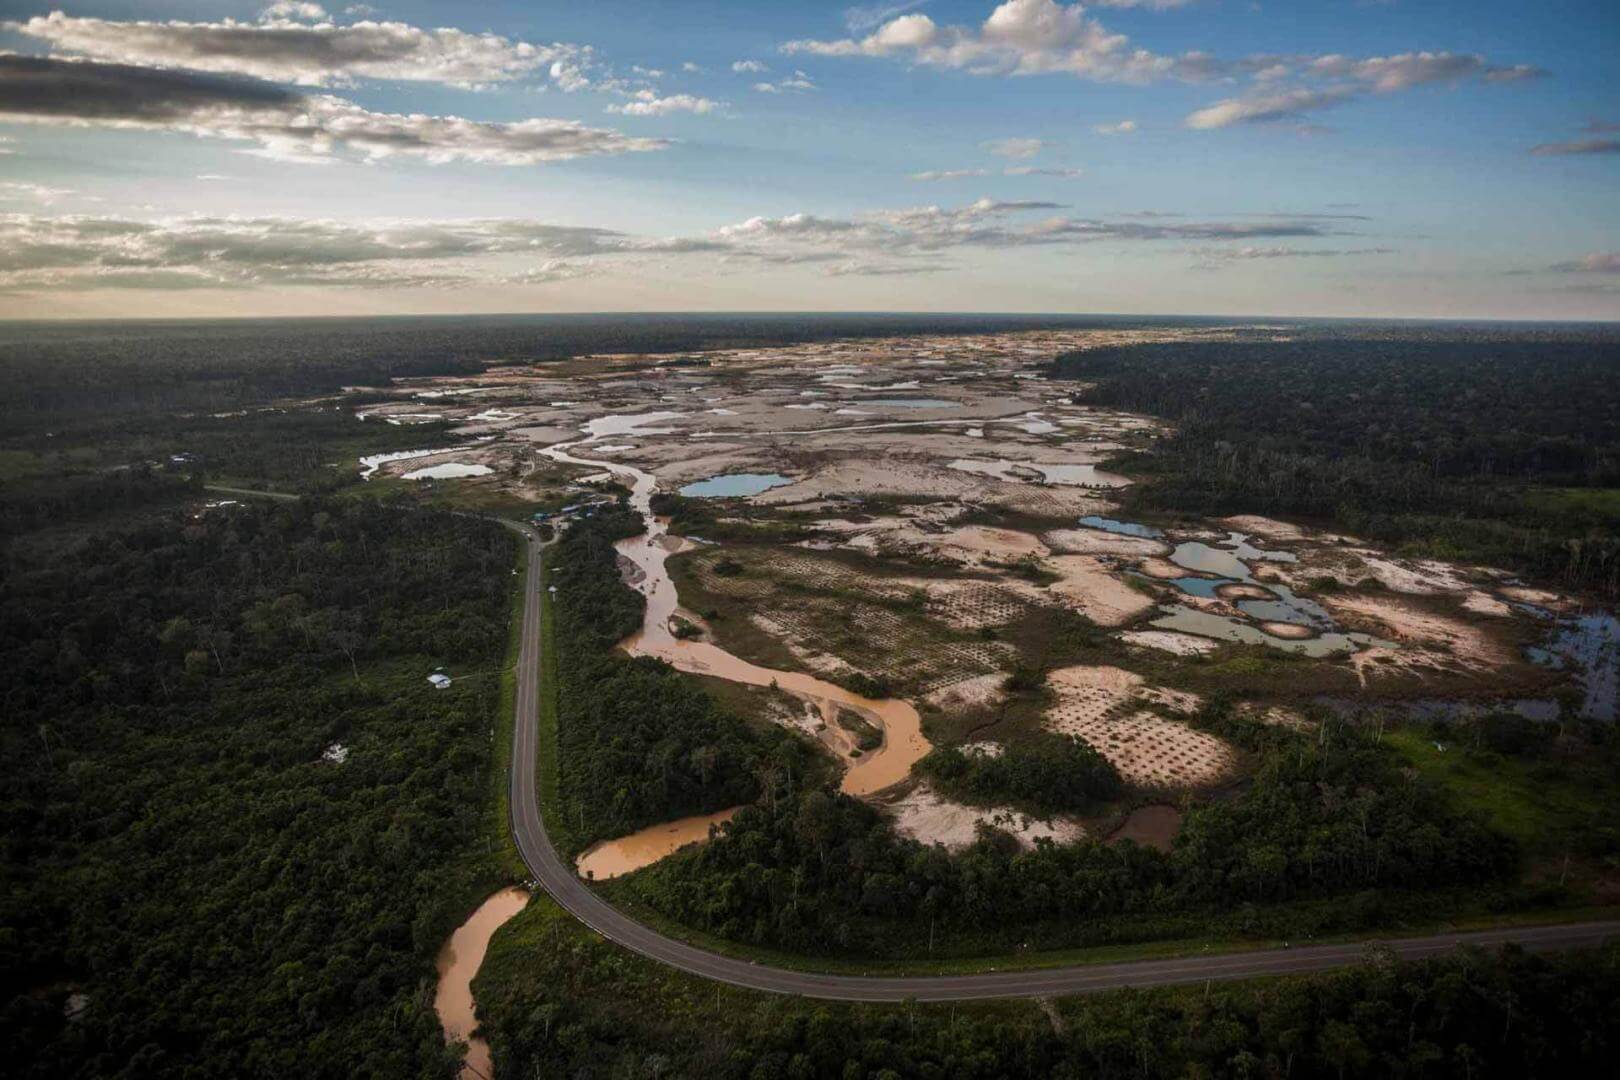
1409, 158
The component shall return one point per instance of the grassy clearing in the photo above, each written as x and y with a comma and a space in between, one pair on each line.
1545, 805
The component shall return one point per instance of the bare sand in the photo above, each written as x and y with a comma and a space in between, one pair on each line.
929, 817
1095, 591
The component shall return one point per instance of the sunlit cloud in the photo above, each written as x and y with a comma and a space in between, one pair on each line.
283, 123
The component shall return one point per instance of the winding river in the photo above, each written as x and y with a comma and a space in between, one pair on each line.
903, 741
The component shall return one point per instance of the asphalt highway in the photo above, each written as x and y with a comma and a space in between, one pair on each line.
558, 879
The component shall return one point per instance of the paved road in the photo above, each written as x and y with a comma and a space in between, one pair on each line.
558, 879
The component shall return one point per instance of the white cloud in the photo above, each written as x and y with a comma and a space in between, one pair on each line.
1037, 37
753, 67
1031, 170
690, 68
1014, 148
1020, 37
1599, 262
11, 190
285, 124
293, 9
648, 103
79, 252
1124, 127
798, 81
948, 174
549, 272
1260, 108
322, 54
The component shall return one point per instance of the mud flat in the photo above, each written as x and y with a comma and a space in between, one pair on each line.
458, 963
1153, 826
610, 858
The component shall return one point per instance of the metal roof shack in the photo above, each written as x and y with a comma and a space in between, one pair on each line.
440, 680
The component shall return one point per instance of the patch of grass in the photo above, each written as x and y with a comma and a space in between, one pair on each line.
1546, 805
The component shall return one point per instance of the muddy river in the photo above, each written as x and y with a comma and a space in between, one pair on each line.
459, 961
903, 742
611, 858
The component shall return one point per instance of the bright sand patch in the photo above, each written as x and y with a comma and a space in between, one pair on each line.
969, 693
1171, 641
1464, 643
1099, 705
1482, 603
1163, 569
1270, 528
930, 818
1098, 542
1091, 588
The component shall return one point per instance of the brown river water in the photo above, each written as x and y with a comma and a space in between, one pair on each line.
459, 960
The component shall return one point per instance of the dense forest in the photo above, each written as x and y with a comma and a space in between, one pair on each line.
237, 821
558, 1001
1045, 773
1324, 816
1460, 444
640, 743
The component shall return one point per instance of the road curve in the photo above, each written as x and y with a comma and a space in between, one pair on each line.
558, 879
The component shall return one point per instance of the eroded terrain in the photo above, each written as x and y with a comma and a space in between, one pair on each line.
876, 535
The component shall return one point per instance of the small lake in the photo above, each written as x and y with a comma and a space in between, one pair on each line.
1591, 642
1222, 628
1123, 528
450, 470
734, 485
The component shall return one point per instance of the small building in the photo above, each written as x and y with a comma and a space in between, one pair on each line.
440, 680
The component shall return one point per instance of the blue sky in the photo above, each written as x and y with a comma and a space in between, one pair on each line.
1326, 157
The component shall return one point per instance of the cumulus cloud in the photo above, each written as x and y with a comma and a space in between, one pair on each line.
293, 9
1124, 127
1601, 262
648, 103
1020, 37
750, 67
1577, 146
1014, 148
284, 123
283, 49
1038, 37
798, 81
